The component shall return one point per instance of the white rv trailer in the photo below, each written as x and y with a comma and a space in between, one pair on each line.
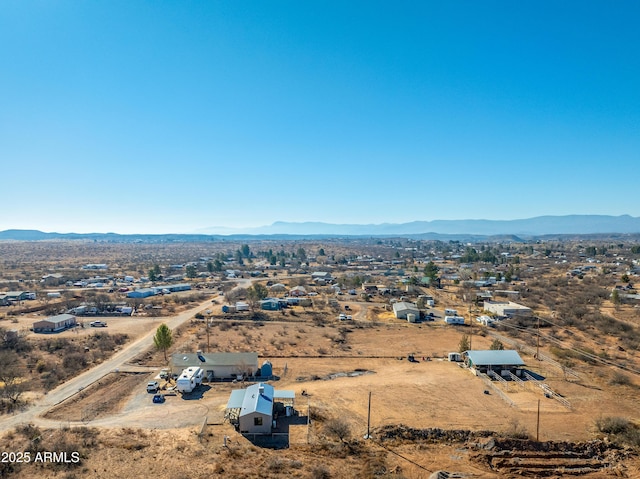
189, 379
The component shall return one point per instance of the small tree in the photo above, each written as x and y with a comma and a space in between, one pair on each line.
163, 339
496, 345
339, 429
464, 344
257, 292
192, 271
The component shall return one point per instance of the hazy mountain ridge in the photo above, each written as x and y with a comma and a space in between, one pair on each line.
541, 225
462, 230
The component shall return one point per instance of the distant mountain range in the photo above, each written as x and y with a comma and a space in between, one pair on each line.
463, 230
538, 226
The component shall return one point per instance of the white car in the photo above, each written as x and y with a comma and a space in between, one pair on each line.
98, 324
342, 317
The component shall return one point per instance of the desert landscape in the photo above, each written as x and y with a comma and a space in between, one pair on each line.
365, 372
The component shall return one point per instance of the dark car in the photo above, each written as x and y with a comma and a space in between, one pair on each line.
158, 398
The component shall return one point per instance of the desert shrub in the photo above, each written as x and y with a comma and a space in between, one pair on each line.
275, 464
338, 428
74, 361
619, 379
320, 472
613, 425
515, 430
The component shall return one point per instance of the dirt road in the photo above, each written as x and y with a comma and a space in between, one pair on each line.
78, 383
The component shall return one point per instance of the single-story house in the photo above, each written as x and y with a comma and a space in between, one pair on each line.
18, 296
402, 308
298, 291
174, 288
507, 309
251, 410
217, 365
370, 287
324, 275
95, 266
501, 362
55, 324
142, 293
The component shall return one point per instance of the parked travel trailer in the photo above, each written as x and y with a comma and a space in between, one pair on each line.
450, 312
454, 319
189, 379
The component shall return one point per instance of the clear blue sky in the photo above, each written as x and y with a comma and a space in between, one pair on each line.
160, 116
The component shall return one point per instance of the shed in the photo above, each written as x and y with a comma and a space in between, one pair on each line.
266, 371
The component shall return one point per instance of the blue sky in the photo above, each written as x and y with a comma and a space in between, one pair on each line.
160, 117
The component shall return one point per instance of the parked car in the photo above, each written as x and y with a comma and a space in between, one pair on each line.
153, 386
98, 324
347, 308
342, 317
158, 398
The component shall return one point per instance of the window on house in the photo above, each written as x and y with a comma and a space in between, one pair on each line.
257, 421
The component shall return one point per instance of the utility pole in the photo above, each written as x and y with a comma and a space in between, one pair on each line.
538, 342
308, 419
208, 346
368, 435
538, 422
470, 330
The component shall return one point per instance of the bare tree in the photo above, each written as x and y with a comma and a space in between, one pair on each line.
10, 375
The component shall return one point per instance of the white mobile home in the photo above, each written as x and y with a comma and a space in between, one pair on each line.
189, 379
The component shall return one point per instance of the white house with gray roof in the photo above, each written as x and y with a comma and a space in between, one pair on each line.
252, 409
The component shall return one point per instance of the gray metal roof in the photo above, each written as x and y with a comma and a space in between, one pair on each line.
495, 358
405, 306
284, 394
255, 401
236, 399
214, 359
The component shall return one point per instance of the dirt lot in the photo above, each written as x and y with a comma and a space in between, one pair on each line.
427, 393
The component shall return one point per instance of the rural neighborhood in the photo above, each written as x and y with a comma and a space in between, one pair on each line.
309, 346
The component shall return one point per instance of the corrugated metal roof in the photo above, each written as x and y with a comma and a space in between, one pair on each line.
255, 401
214, 359
404, 305
495, 358
284, 394
236, 399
